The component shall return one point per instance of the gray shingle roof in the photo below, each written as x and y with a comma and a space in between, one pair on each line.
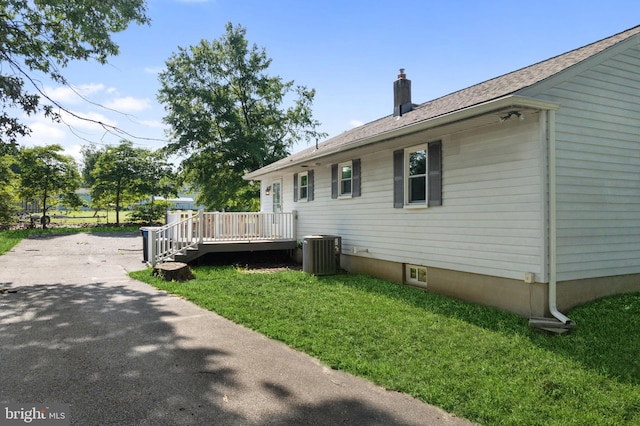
495, 88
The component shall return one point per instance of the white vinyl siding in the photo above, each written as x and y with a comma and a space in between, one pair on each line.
490, 221
266, 201
598, 169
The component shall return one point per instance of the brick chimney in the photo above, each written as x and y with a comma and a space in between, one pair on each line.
401, 95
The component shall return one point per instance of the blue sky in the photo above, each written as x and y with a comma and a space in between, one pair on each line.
349, 51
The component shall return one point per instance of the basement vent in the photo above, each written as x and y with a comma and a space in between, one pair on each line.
321, 254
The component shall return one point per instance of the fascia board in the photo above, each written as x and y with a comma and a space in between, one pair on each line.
506, 102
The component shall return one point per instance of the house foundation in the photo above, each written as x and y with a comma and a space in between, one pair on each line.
578, 292
527, 300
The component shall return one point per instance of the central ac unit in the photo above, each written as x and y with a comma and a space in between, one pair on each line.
321, 254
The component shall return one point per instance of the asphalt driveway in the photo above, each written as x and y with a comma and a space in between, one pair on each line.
77, 330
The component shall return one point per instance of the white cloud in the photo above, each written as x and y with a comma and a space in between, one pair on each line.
45, 133
75, 152
129, 104
87, 121
73, 95
355, 123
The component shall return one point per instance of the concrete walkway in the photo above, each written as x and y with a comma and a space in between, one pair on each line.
79, 331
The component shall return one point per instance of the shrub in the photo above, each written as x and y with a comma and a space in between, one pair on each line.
151, 212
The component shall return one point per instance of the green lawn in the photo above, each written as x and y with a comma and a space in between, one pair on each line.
74, 218
482, 364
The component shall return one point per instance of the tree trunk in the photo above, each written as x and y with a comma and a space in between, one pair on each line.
173, 271
118, 205
44, 210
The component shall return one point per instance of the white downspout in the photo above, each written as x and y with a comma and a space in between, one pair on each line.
553, 230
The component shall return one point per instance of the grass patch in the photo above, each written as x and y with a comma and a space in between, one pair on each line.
82, 217
476, 362
9, 239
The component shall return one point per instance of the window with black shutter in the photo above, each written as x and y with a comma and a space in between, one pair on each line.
417, 176
345, 179
310, 185
398, 179
435, 173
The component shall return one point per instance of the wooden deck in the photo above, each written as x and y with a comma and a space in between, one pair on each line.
232, 247
188, 236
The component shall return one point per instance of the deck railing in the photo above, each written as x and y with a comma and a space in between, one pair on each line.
186, 230
247, 226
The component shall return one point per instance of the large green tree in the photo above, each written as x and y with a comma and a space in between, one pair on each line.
39, 37
227, 116
124, 174
90, 154
8, 190
48, 176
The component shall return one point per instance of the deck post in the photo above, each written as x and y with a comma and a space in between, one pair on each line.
294, 224
200, 226
174, 232
189, 236
216, 226
152, 246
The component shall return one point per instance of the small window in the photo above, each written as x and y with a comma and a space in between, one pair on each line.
416, 275
346, 175
303, 186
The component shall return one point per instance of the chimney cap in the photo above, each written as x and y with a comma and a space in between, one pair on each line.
402, 74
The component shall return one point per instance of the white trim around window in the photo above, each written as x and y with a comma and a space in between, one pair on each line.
416, 275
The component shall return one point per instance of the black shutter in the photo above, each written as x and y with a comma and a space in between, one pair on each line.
334, 181
355, 178
310, 185
295, 187
435, 173
398, 179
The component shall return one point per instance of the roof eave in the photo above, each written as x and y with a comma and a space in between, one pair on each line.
509, 101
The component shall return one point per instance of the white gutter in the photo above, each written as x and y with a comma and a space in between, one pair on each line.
510, 101
553, 228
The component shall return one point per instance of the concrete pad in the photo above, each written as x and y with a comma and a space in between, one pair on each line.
79, 331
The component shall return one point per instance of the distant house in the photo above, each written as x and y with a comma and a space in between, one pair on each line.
521, 192
183, 201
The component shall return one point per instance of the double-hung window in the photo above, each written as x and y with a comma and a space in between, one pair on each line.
417, 176
303, 186
345, 171
345, 179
